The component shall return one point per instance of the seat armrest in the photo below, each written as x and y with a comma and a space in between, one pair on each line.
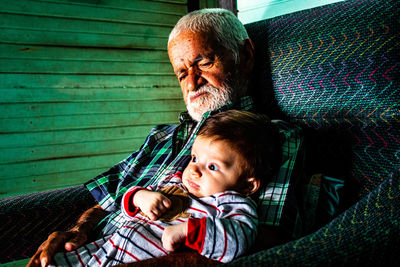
27, 220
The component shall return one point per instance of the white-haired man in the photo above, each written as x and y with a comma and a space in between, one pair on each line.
212, 57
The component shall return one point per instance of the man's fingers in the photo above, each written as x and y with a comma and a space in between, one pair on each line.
75, 242
47, 249
69, 246
44, 261
54, 244
35, 260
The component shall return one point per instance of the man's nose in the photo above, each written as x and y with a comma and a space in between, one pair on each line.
194, 79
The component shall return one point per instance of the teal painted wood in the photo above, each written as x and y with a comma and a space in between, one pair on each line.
86, 121
14, 51
21, 94
76, 81
81, 84
20, 110
46, 138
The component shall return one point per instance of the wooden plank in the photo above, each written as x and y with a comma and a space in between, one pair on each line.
31, 139
81, 83
34, 95
53, 123
80, 39
163, 6
41, 152
94, 12
29, 66
32, 170
77, 53
14, 80
18, 186
17, 263
34, 110
51, 22
37, 183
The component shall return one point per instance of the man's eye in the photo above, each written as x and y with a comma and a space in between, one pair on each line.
213, 167
181, 77
206, 64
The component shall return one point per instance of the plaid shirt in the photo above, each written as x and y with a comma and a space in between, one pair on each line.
167, 150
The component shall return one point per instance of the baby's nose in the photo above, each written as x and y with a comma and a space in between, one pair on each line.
195, 172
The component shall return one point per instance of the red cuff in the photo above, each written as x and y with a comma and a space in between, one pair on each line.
196, 234
127, 201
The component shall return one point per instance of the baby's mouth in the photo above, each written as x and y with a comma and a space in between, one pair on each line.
193, 185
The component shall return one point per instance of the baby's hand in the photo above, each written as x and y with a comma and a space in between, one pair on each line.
174, 235
152, 204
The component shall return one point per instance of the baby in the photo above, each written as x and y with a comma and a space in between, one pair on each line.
206, 208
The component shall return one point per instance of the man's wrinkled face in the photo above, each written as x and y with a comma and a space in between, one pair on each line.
206, 72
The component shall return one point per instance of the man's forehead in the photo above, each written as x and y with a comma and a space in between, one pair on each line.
196, 40
196, 59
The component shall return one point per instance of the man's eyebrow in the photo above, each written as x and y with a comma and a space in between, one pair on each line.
196, 60
178, 72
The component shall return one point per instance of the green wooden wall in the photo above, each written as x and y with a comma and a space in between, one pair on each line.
81, 84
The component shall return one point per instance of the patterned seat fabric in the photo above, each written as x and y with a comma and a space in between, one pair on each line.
337, 67
27, 220
333, 70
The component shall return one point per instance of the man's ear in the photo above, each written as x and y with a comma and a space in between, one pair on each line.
247, 56
253, 185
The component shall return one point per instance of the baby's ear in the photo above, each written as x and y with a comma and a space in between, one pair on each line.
253, 185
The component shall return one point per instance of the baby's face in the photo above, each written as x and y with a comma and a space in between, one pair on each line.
215, 167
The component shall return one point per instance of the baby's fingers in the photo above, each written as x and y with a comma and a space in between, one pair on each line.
160, 208
164, 204
153, 215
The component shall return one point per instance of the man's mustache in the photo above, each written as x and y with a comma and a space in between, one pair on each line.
192, 95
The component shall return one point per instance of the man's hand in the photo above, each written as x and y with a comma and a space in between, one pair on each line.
152, 204
71, 240
173, 236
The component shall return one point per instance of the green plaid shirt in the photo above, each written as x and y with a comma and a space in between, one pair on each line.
167, 150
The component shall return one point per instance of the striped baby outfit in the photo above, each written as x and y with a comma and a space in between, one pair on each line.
221, 227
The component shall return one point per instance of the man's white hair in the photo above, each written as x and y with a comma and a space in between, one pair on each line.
225, 26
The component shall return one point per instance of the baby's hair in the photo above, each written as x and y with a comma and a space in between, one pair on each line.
253, 136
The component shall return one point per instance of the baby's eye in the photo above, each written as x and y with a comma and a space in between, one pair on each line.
213, 167
194, 159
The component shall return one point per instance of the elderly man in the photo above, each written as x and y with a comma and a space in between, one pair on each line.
212, 58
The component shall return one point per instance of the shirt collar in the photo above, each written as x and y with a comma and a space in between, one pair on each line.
244, 103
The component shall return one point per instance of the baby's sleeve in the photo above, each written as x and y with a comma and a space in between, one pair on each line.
228, 235
128, 209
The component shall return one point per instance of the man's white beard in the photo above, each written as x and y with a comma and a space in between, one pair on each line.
214, 99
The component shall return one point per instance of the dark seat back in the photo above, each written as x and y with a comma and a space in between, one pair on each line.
336, 67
